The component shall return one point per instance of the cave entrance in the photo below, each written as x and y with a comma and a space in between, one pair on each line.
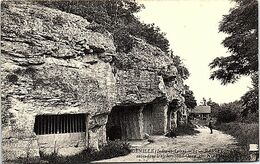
125, 123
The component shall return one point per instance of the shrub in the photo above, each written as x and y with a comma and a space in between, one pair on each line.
124, 42
251, 118
114, 149
245, 133
225, 116
181, 130
172, 133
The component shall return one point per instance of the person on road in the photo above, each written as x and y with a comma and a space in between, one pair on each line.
211, 125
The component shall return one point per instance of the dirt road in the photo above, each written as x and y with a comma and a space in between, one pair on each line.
197, 148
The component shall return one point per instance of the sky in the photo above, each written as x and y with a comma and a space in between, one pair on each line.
191, 26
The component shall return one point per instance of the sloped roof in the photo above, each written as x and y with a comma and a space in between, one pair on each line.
201, 109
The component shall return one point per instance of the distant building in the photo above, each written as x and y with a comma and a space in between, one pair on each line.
201, 112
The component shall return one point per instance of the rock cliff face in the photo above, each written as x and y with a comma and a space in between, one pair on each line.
140, 74
53, 63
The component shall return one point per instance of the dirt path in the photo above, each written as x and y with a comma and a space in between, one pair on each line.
197, 148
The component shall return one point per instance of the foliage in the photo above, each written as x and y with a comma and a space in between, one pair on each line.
244, 133
152, 35
190, 100
181, 130
225, 116
123, 41
215, 107
116, 16
241, 24
250, 99
250, 118
229, 112
182, 70
114, 149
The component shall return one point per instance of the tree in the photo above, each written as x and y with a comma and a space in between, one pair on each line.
215, 108
250, 100
229, 112
190, 101
241, 24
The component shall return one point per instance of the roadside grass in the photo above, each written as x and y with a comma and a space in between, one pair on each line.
245, 134
182, 130
110, 150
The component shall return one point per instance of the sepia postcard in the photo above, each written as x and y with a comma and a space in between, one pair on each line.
105, 81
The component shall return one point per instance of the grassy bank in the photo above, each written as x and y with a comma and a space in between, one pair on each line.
245, 134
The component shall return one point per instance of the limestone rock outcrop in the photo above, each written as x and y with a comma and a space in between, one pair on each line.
140, 74
52, 63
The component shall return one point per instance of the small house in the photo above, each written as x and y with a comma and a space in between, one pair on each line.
201, 112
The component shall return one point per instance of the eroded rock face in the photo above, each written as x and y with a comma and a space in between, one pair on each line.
53, 63
140, 74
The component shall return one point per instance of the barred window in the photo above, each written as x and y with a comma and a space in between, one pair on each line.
55, 124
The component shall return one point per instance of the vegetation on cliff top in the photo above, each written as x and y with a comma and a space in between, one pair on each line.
190, 100
118, 18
